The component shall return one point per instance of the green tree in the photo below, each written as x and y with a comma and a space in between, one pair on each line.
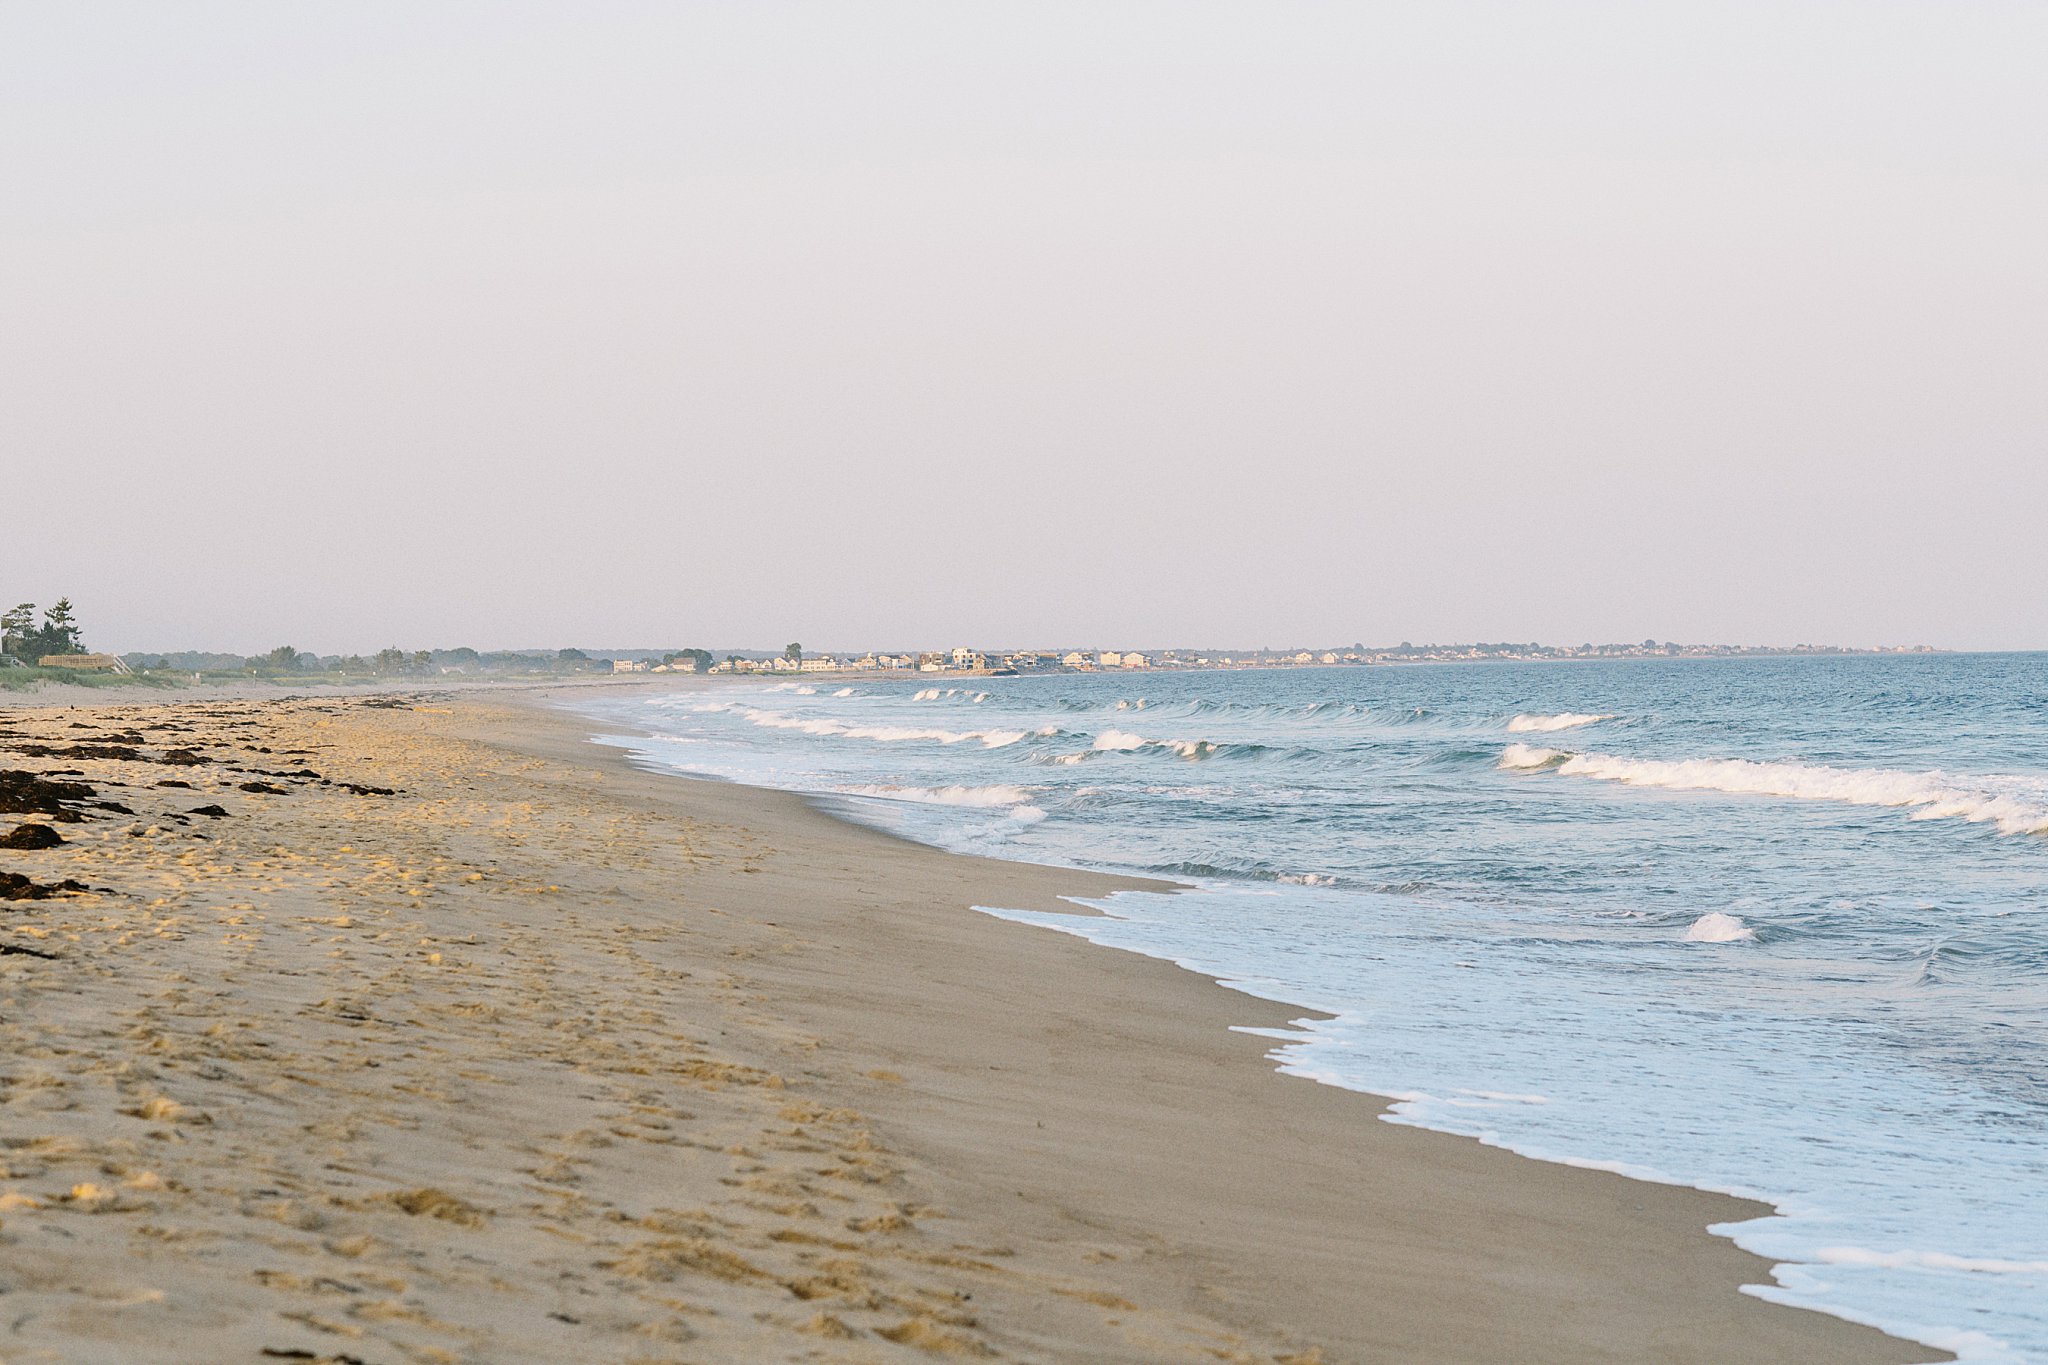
793, 652
283, 659
422, 661
15, 628
57, 635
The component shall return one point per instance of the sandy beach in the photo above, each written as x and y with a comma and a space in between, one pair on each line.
423, 1029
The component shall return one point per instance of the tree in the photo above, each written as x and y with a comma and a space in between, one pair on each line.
283, 659
390, 660
57, 635
15, 628
571, 656
422, 661
793, 652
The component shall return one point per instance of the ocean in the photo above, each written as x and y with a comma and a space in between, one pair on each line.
1772, 926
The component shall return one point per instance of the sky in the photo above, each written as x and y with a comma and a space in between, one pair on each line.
1105, 324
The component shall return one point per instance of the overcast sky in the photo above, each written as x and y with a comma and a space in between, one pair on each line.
428, 324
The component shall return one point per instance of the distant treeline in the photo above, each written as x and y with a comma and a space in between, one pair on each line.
286, 660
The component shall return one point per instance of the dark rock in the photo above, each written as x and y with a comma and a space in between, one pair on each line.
213, 811
31, 836
15, 887
264, 788
361, 790
174, 782
113, 751
26, 793
183, 758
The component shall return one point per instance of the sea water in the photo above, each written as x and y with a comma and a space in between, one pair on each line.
1771, 926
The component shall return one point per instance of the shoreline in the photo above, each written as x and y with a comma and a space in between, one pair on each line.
910, 1127
1274, 1033
1767, 1289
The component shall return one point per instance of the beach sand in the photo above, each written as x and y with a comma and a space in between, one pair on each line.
515, 1053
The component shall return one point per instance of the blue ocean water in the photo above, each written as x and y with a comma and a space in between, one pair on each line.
1773, 926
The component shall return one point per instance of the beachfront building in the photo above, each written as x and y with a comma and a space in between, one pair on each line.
1134, 660
818, 663
1075, 659
629, 665
1109, 658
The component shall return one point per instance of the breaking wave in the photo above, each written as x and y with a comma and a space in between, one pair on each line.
984, 797
1715, 927
2015, 805
1563, 720
881, 734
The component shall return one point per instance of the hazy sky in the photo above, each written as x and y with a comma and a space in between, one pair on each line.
356, 324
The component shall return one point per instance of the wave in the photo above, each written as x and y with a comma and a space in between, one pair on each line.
1932, 1260
2014, 804
1243, 870
1716, 927
881, 734
982, 797
1123, 742
1563, 720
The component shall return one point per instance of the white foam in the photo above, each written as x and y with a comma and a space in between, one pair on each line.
1563, 720
984, 797
2016, 805
880, 734
843, 692
1715, 927
929, 694
1120, 740
1928, 1260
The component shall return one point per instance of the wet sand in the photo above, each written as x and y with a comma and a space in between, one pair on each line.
514, 1053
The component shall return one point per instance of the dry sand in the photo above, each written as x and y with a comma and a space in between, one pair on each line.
541, 1058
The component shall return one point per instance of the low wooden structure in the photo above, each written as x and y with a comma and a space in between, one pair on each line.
84, 663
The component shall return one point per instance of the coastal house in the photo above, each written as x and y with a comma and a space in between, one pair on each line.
1109, 658
1136, 661
629, 665
818, 663
1075, 659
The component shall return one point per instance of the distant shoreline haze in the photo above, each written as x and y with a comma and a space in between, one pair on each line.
287, 661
